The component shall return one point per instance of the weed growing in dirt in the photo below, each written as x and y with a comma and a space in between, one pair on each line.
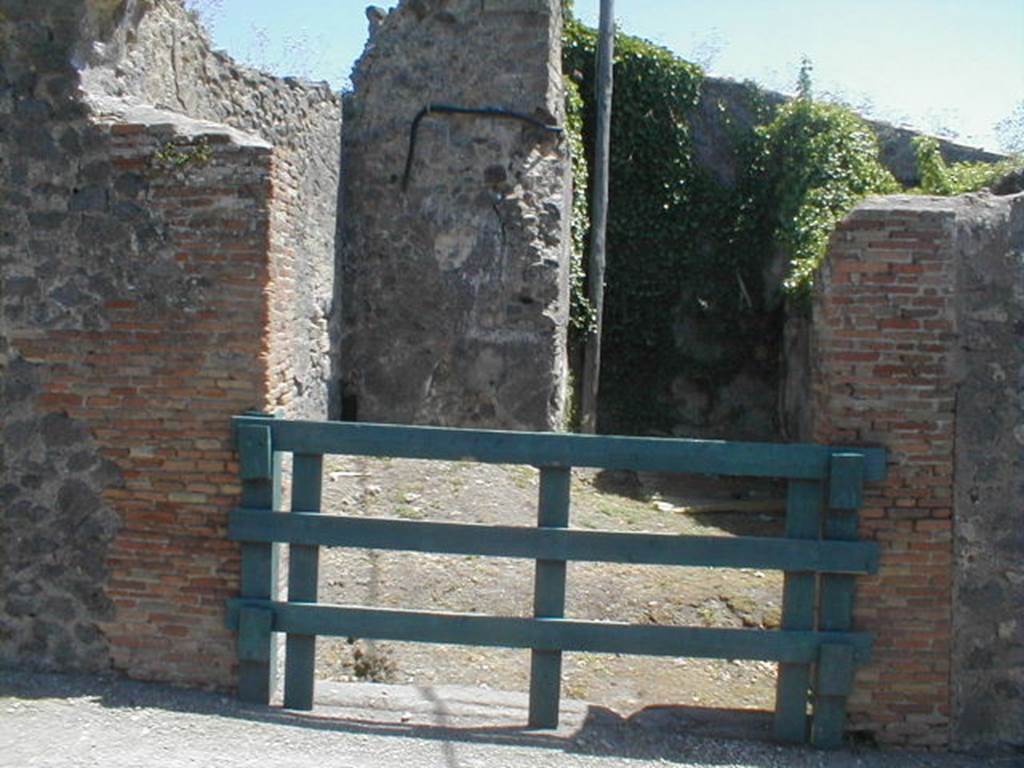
410, 513
373, 664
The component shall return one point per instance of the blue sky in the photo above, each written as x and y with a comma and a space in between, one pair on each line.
945, 66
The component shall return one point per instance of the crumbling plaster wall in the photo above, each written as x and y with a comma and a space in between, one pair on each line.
456, 291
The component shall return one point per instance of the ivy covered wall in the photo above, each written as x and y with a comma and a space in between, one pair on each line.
722, 199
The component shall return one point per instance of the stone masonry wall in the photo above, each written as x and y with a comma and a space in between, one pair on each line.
456, 293
148, 280
988, 596
728, 109
55, 527
767, 398
160, 55
891, 346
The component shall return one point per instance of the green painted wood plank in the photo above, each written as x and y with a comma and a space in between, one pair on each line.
254, 454
876, 460
833, 683
835, 613
254, 627
549, 599
552, 634
259, 563
846, 481
255, 655
555, 544
803, 521
836, 607
829, 722
835, 670
560, 449
303, 575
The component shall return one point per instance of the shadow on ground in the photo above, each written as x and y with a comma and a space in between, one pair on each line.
741, 506
454, 717
450, 715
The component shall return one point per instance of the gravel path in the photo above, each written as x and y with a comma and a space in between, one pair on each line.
56, 720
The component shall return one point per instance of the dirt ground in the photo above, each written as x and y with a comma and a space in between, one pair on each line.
507, 495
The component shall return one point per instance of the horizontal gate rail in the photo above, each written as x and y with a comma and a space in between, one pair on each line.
550, 449
554, 543
551, 634
817, 647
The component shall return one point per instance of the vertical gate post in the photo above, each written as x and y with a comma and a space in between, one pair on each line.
549, 599
260, 469
803, 521
303, 574
835, 613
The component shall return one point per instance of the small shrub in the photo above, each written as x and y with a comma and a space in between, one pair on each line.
180, 154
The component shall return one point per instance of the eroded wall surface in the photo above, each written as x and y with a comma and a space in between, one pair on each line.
988, 589
455, 287
57, 525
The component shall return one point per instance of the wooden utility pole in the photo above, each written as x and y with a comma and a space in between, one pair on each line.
599, 216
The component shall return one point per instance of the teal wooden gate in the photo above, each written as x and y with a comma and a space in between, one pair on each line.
815, 648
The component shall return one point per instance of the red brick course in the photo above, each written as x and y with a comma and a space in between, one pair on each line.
882, 355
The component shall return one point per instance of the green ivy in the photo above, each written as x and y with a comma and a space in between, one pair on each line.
937, 178
804, 171
582, 316
686, 296
182, 153
651, 240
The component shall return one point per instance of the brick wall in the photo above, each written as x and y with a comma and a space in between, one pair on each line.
891, 349
884, 320
171, 565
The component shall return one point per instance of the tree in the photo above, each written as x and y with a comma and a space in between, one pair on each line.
803, 79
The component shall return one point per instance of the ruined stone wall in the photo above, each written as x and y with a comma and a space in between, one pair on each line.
56, 524
988, 588
153, 386
729, 109
456, 293
915, 348
149, 281
159, 55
